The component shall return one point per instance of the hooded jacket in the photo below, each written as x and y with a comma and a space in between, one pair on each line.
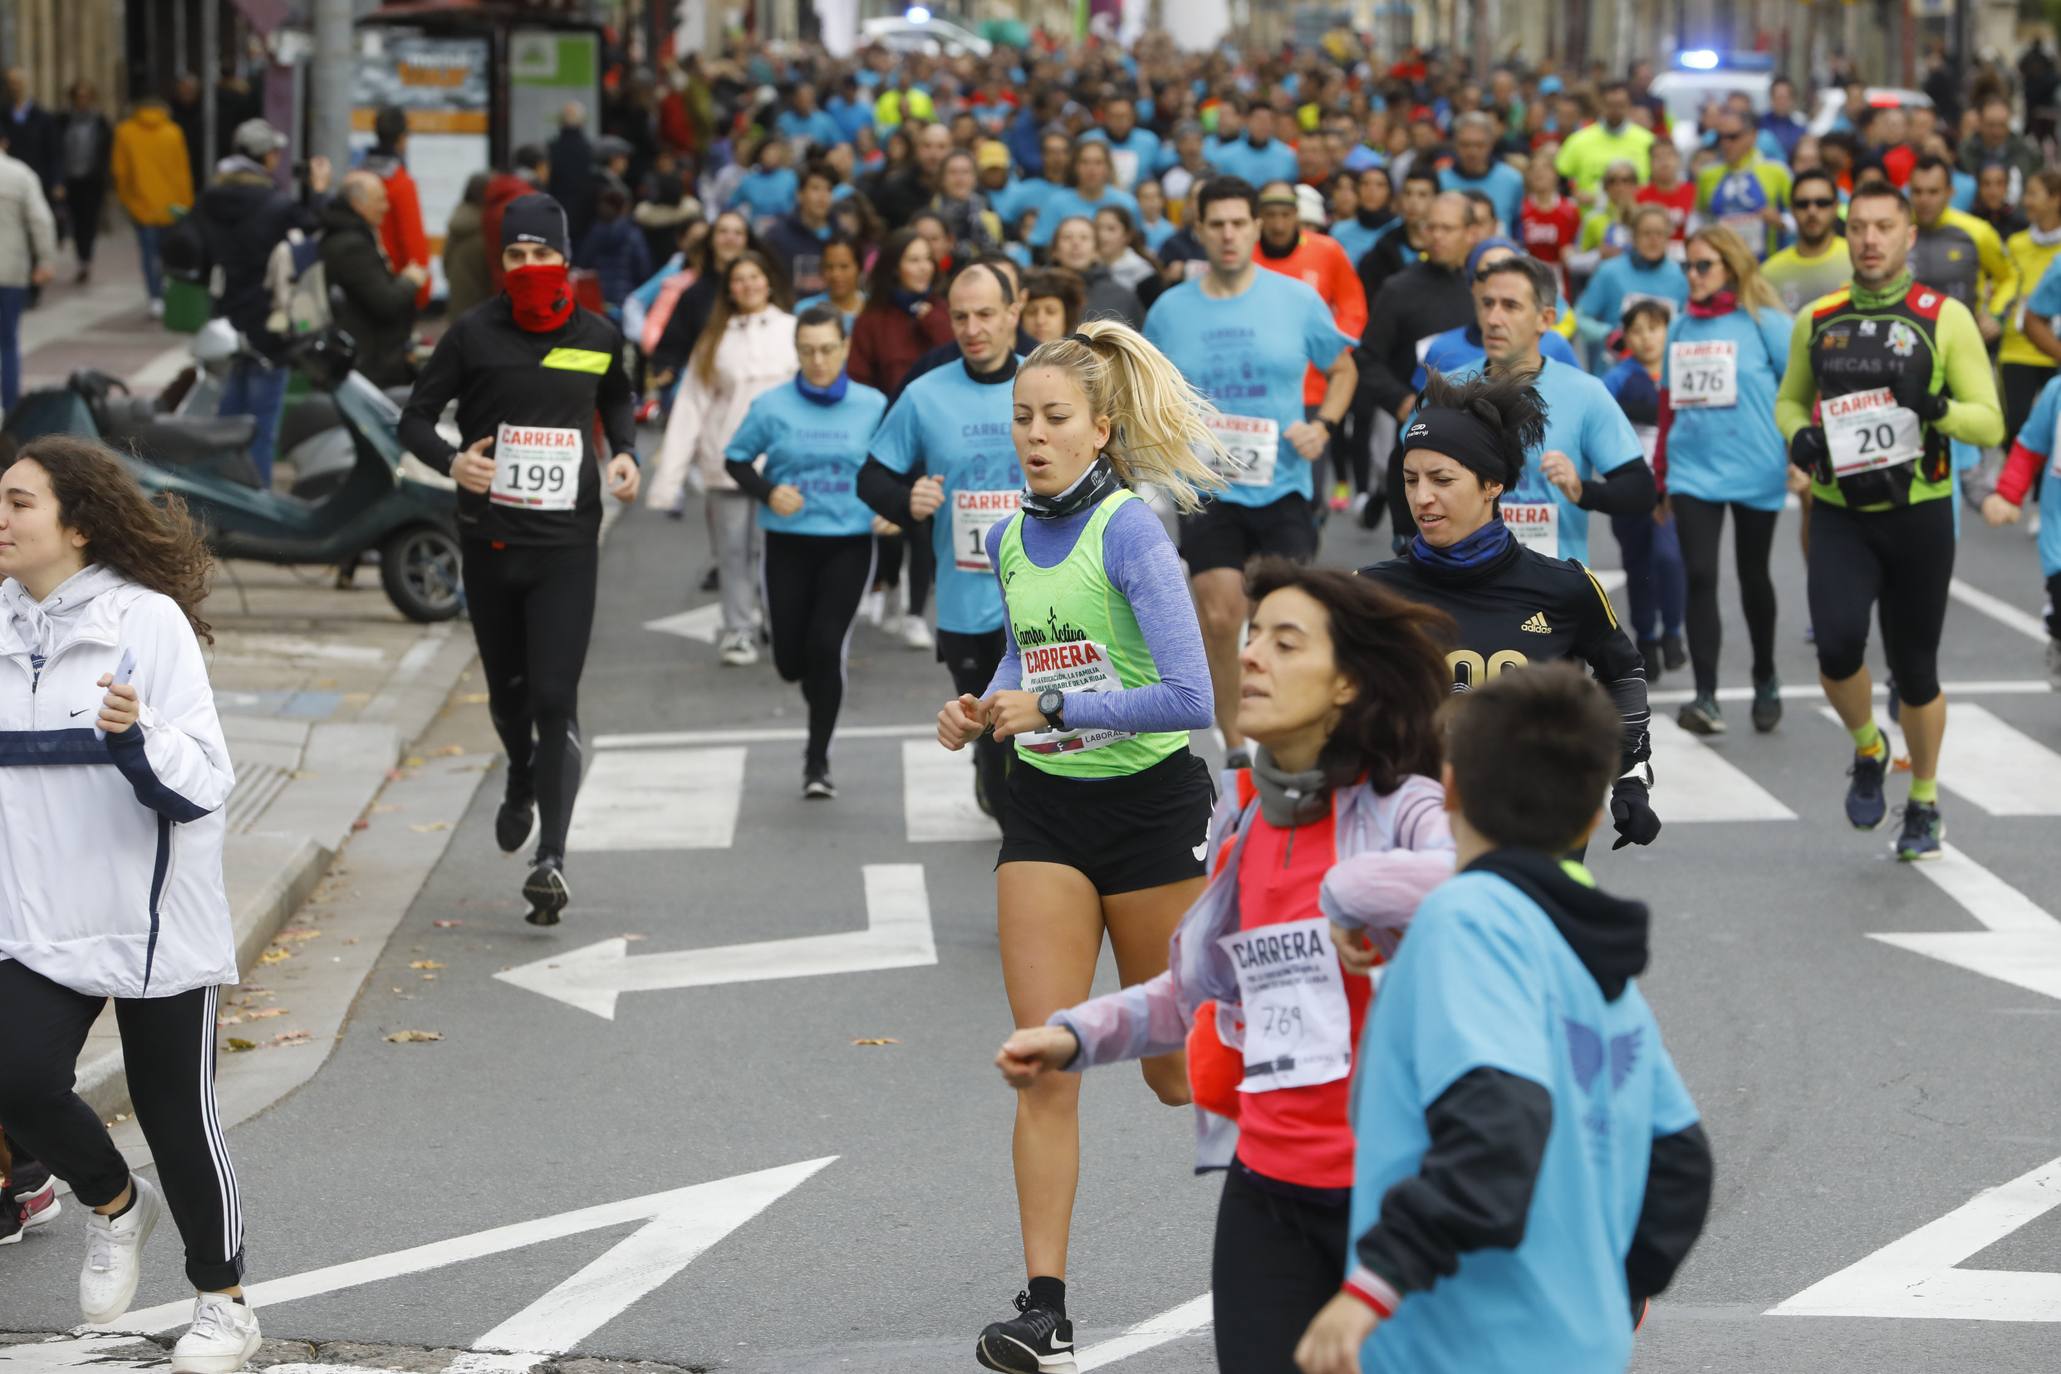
110, 850
244, 216
151, 172
377, 306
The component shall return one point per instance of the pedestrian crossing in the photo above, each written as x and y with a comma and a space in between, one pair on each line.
685, 790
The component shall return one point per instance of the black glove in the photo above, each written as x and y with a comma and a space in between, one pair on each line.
1808, 450
1632, 814
1913, 391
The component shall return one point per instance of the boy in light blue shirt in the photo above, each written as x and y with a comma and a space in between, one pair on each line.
1530, 1168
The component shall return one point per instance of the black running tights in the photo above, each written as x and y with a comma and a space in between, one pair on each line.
813, 586
1278, 1259
1902, 558
1701, 526
532, 613
168, 1050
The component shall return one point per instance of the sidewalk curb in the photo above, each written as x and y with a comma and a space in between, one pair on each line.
271, 872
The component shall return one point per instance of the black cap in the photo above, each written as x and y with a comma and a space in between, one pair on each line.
536, 219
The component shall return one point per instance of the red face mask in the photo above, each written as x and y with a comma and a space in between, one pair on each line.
541, 296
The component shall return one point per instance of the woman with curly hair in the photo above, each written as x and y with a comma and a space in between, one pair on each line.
113, 774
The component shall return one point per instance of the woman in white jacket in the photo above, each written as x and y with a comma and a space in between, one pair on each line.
113, 774
746, 350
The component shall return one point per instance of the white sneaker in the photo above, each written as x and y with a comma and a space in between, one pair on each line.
223, 1337
873, 606
738, 651
2032, 524
157, 310
114, 1255
916, 634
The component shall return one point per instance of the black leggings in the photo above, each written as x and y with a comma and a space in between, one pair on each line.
168, 1051
813, 586
2054, 606
1278, 1259
922, 560
972, 660
1701, 526
1903, 558
532, 613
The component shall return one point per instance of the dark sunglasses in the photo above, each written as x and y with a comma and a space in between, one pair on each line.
1815, 203
1735, 134
1701, 265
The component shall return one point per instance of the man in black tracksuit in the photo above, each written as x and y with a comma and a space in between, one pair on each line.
530, 371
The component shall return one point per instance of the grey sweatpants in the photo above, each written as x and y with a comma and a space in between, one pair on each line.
733, 532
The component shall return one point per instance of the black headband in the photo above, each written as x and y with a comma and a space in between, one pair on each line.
1462, 436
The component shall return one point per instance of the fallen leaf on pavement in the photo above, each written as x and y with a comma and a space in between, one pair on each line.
413, 1037
275, 956
295, 1037
472, 699
228, 1020
264, 1013
877, 1040
299, 933
360, 824
428, 827
448, 925
425, 963
448, 751
237, 1046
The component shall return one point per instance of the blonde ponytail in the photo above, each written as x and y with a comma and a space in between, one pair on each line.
1159, 429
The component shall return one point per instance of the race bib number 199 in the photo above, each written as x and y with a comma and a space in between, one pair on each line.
536, 468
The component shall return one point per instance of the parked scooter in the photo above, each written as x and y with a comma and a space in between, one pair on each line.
411, 521
312, 442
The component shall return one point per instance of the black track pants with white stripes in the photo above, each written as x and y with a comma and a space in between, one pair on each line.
168, 1048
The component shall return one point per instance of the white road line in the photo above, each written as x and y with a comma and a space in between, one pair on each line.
1810, 691
1191, 1316
1999, 610
2019, 944
1916, 1276
1701, 785
937, 796
770, 734
660, 799
2001, 770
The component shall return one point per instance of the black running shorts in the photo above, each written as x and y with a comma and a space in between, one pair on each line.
1124, 834
1223, 535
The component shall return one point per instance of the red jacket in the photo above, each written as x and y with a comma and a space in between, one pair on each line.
886, 342
1319, 262
504, 187
401, 233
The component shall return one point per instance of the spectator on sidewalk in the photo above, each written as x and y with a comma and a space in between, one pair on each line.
153, 176
374, 304
187, 113
402, 235
85, 147
529, 172
466, 280
243, 217
28, 242
32, 136
572, 169
614, 249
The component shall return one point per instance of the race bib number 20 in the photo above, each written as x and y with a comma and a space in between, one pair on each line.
536, 468
1866, 430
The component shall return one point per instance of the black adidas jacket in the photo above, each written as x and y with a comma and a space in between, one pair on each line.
501, 373
1522, 607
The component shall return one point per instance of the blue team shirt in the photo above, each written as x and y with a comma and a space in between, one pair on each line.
1459, 350
1584, 422
2046, 297
957, 430
1238, 158
2038, 435
1249, 355
1142, 146
767, 193
851, 115
1032, 193
817, 448
1732, 453
1157, 233
1623, 279
1357, 239
820, 127
1486, 981
1502, 184
1065, 203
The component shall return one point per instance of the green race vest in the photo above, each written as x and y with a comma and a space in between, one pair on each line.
1076, 633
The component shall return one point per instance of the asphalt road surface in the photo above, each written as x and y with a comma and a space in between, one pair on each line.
1859, 1094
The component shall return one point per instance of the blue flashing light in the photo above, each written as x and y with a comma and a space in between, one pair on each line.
1698, 59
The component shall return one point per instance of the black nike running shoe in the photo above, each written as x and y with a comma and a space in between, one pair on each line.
1038, 1341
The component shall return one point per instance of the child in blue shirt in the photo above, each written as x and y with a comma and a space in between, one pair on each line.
1530, 1168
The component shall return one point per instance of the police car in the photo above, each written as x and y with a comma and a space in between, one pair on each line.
1701, 76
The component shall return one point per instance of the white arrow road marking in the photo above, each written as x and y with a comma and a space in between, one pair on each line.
703, 623
2019, 943
659, 799
937, 795
685, 1222
1191, 1316
897, 935
1700, 785
1916, 1277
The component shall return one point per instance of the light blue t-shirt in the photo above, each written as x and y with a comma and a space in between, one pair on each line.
2046, 296
1584, 422
1458, 352
1356, 238
955, 429
1729, 453
1139, 150
1623, 279
807, 303
1065, 203
1502, 184
1238, 158
1032, 193
1157, 233
818, 126
766, 193
817, 448
1248, 354
2039, 436
1485, 980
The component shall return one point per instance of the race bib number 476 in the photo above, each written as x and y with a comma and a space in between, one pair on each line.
1703, 375
536, 467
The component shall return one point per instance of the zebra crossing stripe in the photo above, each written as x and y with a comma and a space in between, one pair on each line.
659, 799
937, 795
1701, 785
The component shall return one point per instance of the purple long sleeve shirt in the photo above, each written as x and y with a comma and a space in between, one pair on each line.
1141, 564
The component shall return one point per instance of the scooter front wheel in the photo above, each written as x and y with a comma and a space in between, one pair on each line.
419, 567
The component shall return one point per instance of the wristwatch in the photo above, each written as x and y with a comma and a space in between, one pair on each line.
1332, 426
1049, 704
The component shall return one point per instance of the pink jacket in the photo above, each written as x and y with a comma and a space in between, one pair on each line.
755, 355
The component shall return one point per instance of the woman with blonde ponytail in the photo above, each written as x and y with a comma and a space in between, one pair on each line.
1102, 678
